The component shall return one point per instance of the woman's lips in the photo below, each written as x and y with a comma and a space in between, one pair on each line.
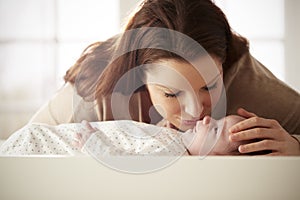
189, 122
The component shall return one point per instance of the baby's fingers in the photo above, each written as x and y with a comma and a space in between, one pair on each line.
88, 126
77, 140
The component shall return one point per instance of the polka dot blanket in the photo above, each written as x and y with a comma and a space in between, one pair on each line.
122, 137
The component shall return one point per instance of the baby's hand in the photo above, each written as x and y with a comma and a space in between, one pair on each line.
81, 138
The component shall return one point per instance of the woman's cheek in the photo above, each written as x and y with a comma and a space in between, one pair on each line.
215, 96
172, 108
166, 107
207, 101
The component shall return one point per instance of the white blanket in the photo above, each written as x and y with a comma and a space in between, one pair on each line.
122, 137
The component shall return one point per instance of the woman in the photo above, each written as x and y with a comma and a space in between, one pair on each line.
101, 88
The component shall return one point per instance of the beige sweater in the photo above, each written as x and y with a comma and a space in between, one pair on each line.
248, 84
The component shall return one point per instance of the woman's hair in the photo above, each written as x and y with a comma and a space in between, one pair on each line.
97, 71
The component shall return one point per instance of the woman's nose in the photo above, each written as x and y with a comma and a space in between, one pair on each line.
193, 107
193, 111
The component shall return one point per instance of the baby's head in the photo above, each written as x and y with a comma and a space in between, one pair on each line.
207, 138
210, 124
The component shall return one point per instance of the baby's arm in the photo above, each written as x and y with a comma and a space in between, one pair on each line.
80, 138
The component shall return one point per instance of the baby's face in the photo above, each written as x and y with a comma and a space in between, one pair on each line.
213, 126
210, 134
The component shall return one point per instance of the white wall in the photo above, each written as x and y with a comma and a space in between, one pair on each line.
39, 41
292, 43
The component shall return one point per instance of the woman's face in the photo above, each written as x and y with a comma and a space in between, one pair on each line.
180, 93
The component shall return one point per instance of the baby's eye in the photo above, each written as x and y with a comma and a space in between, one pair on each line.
216, 130
172, 95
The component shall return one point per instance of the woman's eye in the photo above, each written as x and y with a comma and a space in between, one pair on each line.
208, 88
172, 95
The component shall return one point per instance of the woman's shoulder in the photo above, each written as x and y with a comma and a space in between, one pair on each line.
247, 65
251, 73
58, 109
249, 70
249, 84
66, 106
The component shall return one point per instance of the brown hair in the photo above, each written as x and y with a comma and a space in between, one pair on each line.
97, 71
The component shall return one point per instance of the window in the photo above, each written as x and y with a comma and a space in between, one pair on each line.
262, 23
39, 41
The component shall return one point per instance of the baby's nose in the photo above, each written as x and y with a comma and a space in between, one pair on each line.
206, 120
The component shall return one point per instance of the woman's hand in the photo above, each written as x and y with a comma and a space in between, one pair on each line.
270, 133
81, 138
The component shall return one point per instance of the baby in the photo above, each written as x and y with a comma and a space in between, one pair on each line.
129, 138
106, 138
209, 136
